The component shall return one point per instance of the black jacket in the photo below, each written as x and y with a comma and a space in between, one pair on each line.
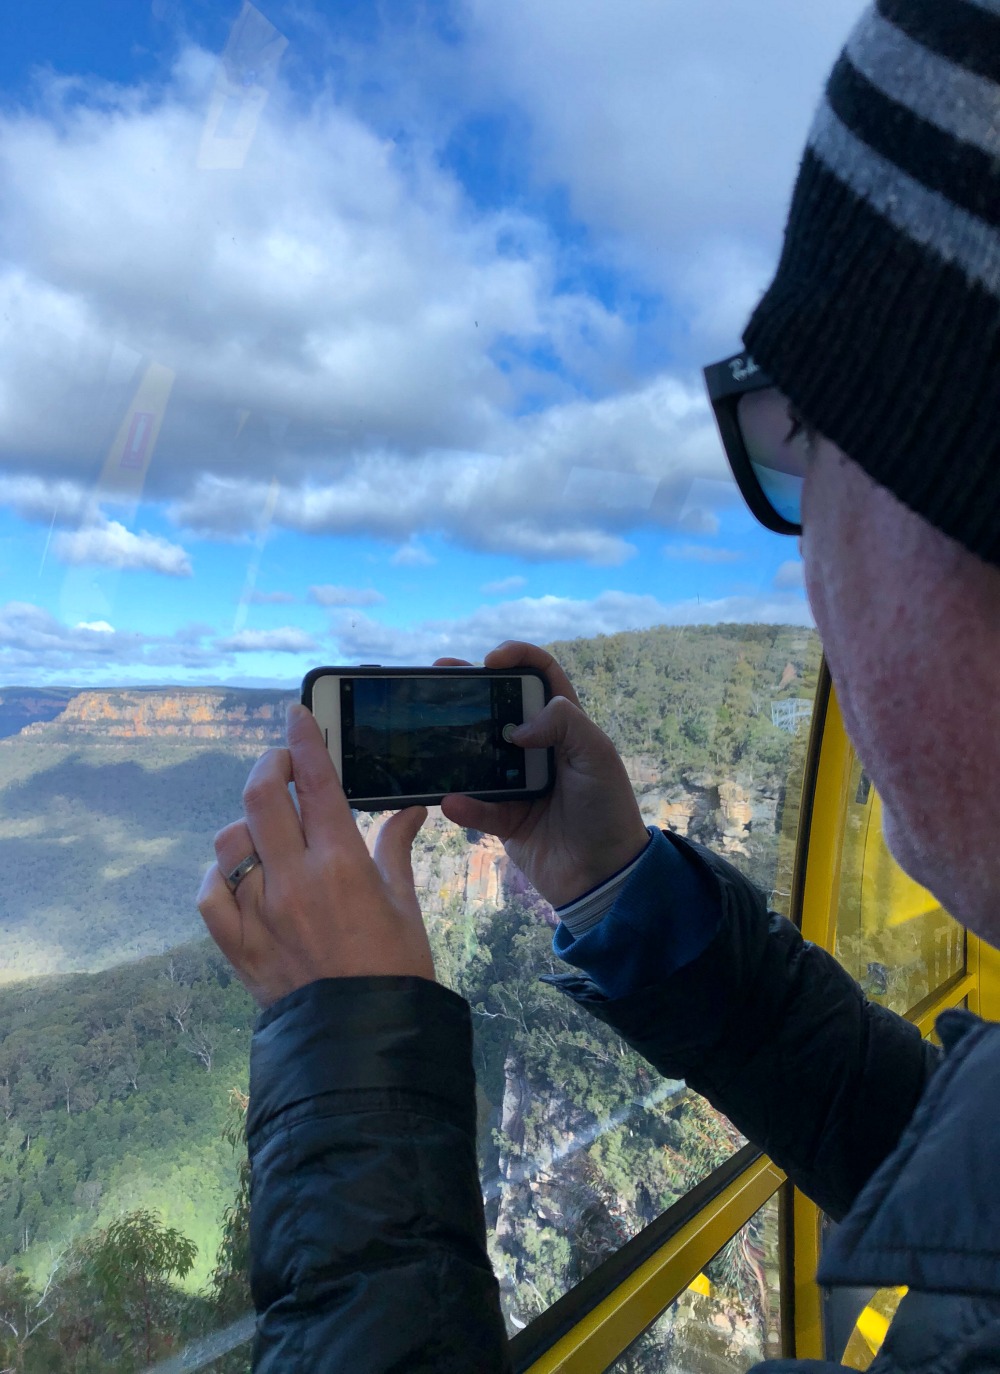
367, 1234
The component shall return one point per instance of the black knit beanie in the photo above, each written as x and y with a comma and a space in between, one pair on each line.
882, 325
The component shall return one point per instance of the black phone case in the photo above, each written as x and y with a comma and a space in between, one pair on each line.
434, 799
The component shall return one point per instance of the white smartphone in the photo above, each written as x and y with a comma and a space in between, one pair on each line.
408, 736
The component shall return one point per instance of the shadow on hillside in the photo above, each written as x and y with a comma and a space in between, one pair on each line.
60, 911
200, 793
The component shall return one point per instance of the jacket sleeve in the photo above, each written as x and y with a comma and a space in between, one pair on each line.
778, 1036
367, 1237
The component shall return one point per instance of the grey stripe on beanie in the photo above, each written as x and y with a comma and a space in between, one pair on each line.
927, 217
956, 100
882, 323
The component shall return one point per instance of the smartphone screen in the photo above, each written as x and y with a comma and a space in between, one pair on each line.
400, 735
407, 736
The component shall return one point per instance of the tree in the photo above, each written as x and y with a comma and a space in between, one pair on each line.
116, 1294
23, 1313
201, 1044
230, 1282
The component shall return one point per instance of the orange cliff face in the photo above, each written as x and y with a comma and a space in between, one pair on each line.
208, 714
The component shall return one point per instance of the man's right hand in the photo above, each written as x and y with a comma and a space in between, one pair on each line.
589, 826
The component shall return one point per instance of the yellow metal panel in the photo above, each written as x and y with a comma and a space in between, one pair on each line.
598, 1340
988, 1001
959, 992
822, 878
885, 885
808, 1299
820, 896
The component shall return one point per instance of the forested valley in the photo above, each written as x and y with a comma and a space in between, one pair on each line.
122, 1089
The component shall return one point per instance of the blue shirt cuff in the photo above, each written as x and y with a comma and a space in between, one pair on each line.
664, 916
581, 915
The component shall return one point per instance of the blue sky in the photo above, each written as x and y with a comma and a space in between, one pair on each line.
340, 332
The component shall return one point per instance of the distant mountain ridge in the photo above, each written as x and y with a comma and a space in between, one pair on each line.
238, 716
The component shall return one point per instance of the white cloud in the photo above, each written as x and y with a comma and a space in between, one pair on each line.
345, 596
790, 576
681, 142
111, 545
339, 289
504, 586
701, 553
35, 646
286, 640
336, 317
560, 484
355, 344
543, 619
412, 555
698, 520
63, 502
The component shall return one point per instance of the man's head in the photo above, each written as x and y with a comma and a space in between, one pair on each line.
882, 330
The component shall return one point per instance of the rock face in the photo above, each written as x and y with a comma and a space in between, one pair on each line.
450, 864
718, 812
210, 714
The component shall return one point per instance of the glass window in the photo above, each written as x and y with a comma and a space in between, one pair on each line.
728, 1319
892, 935
581, 1144
312, 353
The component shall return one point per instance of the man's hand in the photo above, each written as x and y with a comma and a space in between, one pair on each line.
589, 826
317, 905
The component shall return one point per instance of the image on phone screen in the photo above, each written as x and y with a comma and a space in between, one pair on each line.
407, 736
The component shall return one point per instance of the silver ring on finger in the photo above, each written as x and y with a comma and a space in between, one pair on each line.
241, 870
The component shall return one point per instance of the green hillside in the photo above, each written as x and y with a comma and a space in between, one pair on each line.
105, 843
696, 697
116, 1086
116, 1090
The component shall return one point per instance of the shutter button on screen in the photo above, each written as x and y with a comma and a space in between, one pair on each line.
507, 732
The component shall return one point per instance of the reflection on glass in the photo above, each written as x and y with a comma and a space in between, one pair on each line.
247, 72
893, 936
728, 1319
777, 449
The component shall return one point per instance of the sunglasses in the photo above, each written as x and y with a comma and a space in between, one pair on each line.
765, 443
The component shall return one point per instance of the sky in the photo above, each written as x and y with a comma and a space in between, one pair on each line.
361, 332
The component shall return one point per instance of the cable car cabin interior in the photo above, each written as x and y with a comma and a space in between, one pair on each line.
345, 336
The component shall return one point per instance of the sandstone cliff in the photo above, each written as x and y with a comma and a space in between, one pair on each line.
241, 717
